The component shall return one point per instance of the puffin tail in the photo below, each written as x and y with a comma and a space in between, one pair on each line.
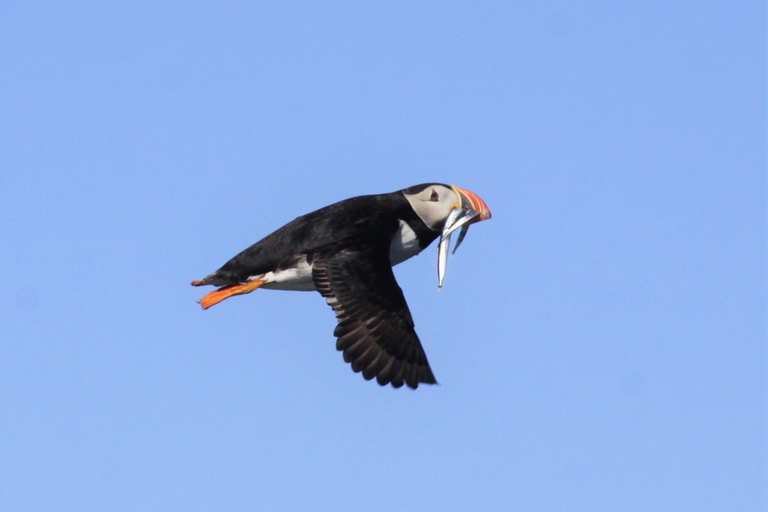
225, 292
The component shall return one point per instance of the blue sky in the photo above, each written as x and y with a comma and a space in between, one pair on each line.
600, 343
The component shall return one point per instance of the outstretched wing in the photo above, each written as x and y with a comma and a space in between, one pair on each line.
375, 329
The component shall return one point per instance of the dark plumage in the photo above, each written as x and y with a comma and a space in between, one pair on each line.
346, 251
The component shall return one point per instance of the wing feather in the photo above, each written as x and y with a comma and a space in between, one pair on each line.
375, 329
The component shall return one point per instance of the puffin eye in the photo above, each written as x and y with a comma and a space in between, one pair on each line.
435, 196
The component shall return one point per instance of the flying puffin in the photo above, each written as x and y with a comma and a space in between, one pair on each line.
346, 252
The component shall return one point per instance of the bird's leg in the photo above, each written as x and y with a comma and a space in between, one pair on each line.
219, 295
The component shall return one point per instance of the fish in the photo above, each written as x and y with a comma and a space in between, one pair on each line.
442, 260
463, 232
458, 218
463, 221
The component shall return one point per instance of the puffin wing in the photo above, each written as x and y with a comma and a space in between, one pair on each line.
375, 329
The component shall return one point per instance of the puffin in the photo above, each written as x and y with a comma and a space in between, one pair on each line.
346, 252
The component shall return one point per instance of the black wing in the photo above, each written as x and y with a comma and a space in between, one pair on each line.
375, 329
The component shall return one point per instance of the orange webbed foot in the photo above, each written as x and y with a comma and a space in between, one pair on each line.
219, 295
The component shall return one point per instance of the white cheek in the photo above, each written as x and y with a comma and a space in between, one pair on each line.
433, 214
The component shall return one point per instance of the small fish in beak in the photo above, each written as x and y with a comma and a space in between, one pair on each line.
445, 242
460, 217
463, 232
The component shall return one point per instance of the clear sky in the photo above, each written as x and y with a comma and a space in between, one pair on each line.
600, 343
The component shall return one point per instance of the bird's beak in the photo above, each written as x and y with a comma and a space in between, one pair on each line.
469, 209
472, 201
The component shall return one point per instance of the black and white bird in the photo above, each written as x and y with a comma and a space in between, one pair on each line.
346, 252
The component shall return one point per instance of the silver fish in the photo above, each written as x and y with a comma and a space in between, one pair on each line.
442, 260
465, 218
454, 220
463, 232
470, 218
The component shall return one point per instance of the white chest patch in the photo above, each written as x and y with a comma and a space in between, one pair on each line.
405, 244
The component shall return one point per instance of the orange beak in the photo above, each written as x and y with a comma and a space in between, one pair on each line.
475, 202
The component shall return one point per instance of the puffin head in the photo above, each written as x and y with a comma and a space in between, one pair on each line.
433, 203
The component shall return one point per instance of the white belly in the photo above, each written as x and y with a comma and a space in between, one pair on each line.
405, 244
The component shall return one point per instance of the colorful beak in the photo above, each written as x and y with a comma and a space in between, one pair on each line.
473, 201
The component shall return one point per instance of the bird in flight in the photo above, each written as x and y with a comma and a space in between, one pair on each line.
346, 252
